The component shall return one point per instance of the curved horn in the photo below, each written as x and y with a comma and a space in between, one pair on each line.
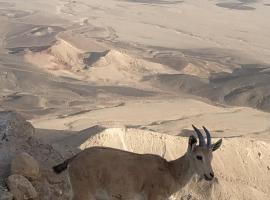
208, 136
200, 136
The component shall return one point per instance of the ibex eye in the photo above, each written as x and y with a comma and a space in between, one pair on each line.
199, 157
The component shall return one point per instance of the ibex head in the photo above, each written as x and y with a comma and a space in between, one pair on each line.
201, 155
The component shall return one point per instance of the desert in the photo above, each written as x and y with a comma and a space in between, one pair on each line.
134, 75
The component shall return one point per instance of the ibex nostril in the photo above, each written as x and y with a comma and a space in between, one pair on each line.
212, 175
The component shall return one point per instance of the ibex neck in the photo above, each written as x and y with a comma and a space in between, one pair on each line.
182, 170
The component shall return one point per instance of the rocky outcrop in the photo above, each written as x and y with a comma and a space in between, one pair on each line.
29, 161
15, 135
21, 188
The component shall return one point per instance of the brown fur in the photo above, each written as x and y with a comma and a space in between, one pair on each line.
124, 175
100, 173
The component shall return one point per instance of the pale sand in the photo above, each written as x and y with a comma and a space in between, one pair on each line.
168, 116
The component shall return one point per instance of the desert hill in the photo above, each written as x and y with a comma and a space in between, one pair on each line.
246, 86
105, 66
242, 86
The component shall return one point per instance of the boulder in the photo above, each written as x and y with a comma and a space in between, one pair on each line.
21, 188
15, 136
13, 125
25, 165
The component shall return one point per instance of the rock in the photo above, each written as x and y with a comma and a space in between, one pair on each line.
21, 188
25, 165
13, 125
4, 195
15, 137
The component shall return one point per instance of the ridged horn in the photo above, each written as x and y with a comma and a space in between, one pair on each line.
208, 137
200, 136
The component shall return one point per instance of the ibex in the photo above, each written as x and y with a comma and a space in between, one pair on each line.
105, 173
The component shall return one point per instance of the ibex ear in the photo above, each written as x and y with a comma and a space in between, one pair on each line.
191, 143
216, 145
